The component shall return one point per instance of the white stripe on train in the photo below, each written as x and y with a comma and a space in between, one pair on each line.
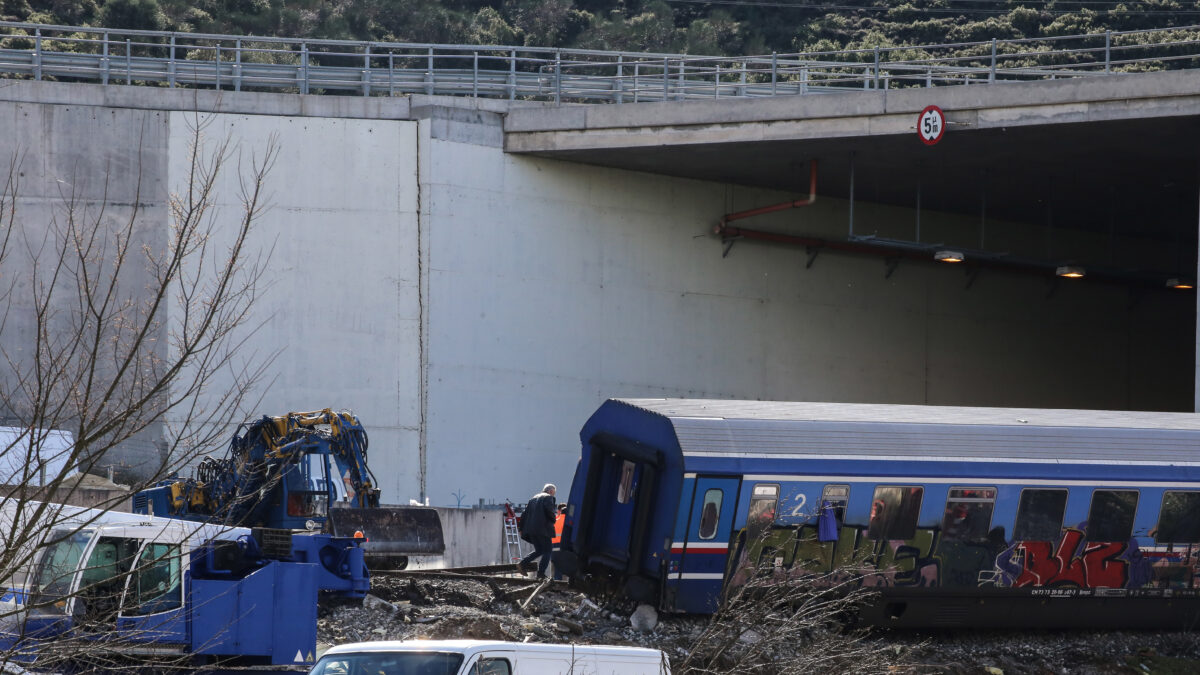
962, 480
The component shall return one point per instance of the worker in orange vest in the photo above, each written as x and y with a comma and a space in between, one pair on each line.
558, 524
556, 542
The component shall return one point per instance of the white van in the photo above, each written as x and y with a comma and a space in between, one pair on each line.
481, 657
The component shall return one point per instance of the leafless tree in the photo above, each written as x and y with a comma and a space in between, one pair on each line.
782, 620
119, 330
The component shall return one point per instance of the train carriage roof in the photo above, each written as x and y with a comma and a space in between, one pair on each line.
775, 429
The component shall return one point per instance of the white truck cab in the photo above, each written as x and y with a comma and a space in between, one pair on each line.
125, 569
481, 657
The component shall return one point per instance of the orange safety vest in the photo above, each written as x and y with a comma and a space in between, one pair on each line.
558, 526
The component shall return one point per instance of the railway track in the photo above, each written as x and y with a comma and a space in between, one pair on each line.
505, 574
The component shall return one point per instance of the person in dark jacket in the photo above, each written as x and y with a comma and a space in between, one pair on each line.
537, 527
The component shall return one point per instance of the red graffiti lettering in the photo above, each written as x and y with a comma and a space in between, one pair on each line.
1096, 566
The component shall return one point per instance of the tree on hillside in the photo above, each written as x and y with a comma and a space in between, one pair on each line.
115, 328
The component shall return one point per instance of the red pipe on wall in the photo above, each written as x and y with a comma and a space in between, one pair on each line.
812, 197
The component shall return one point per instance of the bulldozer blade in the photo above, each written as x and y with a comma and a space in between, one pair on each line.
391, 531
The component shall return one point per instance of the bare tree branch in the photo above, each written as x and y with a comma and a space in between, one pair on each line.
119, 330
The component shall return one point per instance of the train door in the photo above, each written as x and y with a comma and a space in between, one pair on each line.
620, 483
705, 550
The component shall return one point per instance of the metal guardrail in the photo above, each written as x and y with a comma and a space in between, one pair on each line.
111, 56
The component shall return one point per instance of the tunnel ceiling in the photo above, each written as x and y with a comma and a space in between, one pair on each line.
1134, 177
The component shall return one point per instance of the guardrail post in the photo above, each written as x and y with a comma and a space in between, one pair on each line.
37, 54
475, 76
774, 71
557, 77
171, 65
742, 81
717, 82
681, 94
929, 78
429, 74
666, 79
620, 83
1107, 51
866, 77
875, 81
237, 65
804, 80
104, 65
391, 74
992, 73
637, 67
512, 75
303, 67
217, 63
366, 74
128, 61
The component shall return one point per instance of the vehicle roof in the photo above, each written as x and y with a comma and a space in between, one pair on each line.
20, 463
117, 522
472, 646
773, 428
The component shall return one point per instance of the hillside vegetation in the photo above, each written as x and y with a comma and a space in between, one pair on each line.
730, 27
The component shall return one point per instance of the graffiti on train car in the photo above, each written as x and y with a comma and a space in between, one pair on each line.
1072, 561
929, 559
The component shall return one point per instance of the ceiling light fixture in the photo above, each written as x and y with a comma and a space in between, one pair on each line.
1069, 271
949, 256
1180, 283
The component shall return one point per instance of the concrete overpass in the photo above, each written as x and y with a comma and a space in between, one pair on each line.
1116, 154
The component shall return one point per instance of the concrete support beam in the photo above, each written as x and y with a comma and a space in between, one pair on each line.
852, 115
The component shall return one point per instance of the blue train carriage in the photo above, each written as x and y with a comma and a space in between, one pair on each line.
958, 516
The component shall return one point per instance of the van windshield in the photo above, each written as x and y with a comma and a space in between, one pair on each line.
389, 663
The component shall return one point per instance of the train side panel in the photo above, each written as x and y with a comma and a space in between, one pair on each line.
968, 553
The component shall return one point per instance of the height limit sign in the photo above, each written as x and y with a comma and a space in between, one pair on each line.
931, 125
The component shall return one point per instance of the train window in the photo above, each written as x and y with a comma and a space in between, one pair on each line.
837, 496
1040, 515
625, 487
894, 512
968, 513
1179, 520
1111, 516
763, 501
710, 513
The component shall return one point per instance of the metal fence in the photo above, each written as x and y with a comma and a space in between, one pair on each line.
245, 63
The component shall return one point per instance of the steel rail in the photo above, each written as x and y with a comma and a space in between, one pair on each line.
229, 62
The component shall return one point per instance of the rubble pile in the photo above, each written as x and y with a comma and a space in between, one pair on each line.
439, 608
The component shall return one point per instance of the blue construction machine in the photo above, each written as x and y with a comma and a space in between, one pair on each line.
110, 588
300, 471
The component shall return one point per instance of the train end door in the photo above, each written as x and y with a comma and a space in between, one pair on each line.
618, 509
696, 569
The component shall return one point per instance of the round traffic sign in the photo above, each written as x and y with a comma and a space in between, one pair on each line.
931, 124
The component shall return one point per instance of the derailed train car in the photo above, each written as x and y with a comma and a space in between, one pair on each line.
958, 516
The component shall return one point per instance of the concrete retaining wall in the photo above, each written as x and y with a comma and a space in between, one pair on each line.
473, 537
